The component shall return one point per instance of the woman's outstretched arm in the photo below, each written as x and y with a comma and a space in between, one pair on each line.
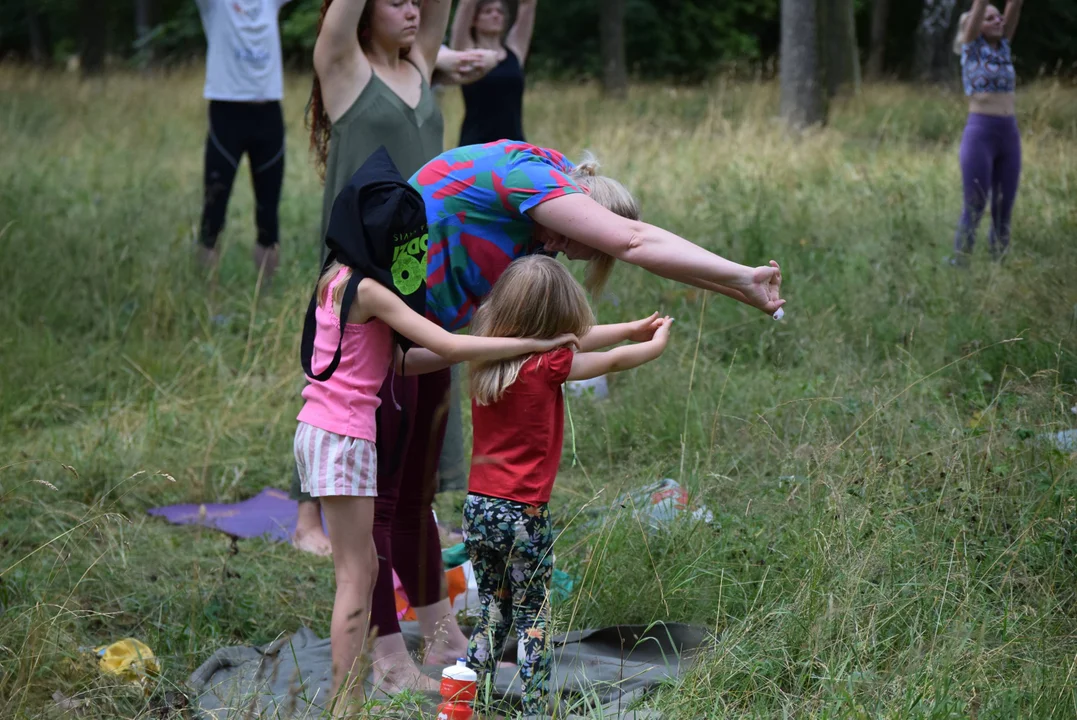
658, 251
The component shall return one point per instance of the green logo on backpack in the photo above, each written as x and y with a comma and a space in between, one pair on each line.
409, 262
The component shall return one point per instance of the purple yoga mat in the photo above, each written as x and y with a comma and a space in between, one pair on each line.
270, 514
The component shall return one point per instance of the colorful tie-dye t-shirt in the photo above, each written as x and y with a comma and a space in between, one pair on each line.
477, 198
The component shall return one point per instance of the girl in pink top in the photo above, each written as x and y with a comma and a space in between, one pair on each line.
334, 443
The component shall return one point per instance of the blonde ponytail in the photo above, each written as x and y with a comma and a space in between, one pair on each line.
587, 166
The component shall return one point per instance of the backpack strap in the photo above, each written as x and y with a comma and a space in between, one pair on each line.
310, 325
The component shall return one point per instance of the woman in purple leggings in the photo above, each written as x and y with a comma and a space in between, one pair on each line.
991, 145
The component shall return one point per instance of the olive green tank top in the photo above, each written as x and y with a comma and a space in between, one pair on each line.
379, 117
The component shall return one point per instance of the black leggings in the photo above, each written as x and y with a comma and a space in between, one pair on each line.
236, 128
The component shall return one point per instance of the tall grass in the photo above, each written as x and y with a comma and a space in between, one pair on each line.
891, 537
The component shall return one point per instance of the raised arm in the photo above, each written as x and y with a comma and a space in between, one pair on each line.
660, 252
433, 22
342, 67
975, 21
519, 38
460, 38
376, 301
1010, 18
587, 365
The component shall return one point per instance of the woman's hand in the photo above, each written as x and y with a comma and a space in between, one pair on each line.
763, 291
483, 61
465, 66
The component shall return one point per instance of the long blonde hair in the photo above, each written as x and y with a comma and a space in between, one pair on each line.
338, 291
536, 297
611, 195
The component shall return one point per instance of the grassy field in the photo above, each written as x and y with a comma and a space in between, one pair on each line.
891, 537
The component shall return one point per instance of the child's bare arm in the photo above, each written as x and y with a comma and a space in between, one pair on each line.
587, 365
602, 336
376, 301
419, 361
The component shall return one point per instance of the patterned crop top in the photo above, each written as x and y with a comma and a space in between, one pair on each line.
985, 69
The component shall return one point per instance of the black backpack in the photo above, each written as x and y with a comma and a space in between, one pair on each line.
378, 229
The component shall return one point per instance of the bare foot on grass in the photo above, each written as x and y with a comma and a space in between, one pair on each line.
309, 534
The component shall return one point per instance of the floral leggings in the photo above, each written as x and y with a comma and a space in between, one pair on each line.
510, 545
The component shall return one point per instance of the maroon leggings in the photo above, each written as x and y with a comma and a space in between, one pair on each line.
411, 428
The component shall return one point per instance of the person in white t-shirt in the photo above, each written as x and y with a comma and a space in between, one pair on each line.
244, 86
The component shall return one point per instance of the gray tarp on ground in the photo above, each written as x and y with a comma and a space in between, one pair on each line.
606, 669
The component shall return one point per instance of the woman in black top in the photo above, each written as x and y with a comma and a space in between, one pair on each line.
494, 104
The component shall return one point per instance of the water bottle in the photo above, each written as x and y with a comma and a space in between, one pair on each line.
458, 687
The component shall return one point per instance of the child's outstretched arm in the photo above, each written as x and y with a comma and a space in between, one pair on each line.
603, 336
418, 361
376, 301
587, 365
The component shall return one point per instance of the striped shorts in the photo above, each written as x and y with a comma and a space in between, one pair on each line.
331, 464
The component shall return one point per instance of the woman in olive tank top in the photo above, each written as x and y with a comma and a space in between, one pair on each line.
373, 60
493, 106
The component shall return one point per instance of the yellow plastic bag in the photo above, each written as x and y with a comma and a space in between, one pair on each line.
130, 659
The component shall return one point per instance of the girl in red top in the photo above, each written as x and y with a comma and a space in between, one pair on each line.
518, 420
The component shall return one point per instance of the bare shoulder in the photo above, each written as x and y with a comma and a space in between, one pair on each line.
371, 300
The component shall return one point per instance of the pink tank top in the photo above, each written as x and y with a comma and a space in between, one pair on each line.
345, 403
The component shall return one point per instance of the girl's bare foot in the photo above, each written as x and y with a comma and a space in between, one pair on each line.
309, 534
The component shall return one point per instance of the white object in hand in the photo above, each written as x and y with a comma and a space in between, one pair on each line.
778, 314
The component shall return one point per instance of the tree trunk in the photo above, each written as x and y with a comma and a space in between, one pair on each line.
37, 30
143, 26
842, 56
612, 46
880, 14
800, 74
934, 41
92, 17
